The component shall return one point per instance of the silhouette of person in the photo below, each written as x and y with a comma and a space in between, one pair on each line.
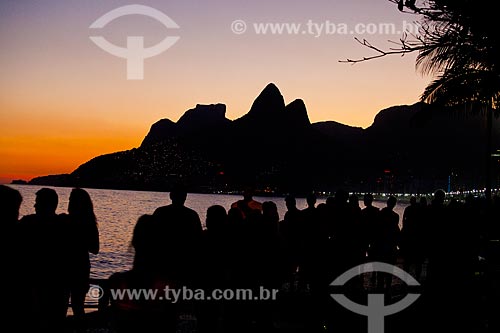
411, 238
291, 231
10, 202
256, 265
354, 203
142, 314
386, 241
356, 229
84, 239
311, 201
235, 228
314, 269
330, 201
312, 233
215, 247
247, 204
43, 244
237, 252
216, 221
346, 227
270, 219
369, 222
215, 267
266, 261
310, 215
179, 233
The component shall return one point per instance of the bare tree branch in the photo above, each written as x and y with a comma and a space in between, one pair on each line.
405, 47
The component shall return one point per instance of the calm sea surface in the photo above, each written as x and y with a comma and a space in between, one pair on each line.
117, 212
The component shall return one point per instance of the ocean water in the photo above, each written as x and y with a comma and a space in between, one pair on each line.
117, 212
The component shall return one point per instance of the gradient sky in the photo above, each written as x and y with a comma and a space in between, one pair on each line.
63, 100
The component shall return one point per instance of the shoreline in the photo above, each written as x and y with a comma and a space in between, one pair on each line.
322, 195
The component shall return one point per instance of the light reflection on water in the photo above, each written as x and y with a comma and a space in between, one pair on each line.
117, 212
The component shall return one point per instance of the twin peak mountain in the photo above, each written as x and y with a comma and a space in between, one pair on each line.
268, 113
275, 148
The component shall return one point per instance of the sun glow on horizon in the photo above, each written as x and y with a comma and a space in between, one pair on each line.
64, 101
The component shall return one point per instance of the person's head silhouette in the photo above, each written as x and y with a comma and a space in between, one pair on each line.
311, 200
290, 202
391, 202
141, 236
80, 203
439, 196
216, 218
46, 201
10, 202
270, 211
354, 200
178, 195
143, 243
368, 199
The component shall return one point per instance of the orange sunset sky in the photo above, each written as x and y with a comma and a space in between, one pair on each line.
63, 100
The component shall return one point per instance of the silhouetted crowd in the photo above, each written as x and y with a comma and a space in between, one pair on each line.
444, 245
47, 259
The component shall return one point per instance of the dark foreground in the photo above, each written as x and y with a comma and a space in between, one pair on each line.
473, 307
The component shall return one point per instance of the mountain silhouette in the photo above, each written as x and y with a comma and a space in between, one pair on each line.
275, 148
201, 120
